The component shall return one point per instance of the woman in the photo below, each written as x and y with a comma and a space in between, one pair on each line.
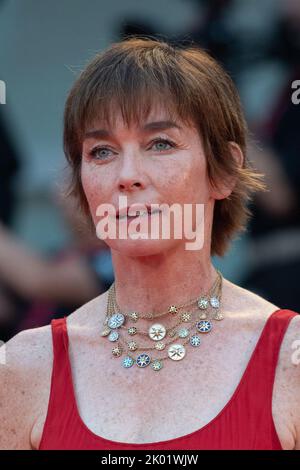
172, 356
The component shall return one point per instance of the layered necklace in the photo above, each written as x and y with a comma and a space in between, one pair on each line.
123, 331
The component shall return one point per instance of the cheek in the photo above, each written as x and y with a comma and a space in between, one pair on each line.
93, 188
187, 180
198, 181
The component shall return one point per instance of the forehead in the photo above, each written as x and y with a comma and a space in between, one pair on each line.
159, 118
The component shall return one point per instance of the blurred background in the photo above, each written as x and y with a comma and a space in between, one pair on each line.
50, 263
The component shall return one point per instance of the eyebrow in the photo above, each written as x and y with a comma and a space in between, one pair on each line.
150, 126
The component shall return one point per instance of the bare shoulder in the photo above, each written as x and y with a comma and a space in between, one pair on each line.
25, 376
287, 381
32, 350
253, 311
22, 359
28, 345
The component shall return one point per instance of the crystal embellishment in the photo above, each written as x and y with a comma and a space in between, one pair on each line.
157, 332
105, 331
156, 365
185, 316
172, 309
183, 332
113, 336
117, 351
218, 316
116, 320
132, 330
202, 315
204, 326
214, 302
134, 316
143, 360
176, 352
132, 345
195, 340
127, 362
202, 303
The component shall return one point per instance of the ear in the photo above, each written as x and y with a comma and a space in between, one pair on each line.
225, 187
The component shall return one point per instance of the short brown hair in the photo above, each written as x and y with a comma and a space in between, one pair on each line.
128, 76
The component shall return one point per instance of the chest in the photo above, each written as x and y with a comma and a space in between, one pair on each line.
180, 399
153, 407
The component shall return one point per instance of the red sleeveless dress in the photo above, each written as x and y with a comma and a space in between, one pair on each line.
245, 422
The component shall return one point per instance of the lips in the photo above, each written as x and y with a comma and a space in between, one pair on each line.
137, 210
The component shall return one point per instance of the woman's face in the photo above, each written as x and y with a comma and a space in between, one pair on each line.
156, 162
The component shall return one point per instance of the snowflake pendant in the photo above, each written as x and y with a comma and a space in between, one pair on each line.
143, 360
157, 332
195, 340
117, 351
127, 362
185, 317
113, 336
204, 326
156, 365
116, 320
203, 303
214, 302
134, 316
176, 352
132, 330
132, 345
172, 309
183, 332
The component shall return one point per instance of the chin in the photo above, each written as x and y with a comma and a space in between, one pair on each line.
142, 247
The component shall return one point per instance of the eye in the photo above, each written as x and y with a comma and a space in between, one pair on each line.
95, 153
100, 152
160, 141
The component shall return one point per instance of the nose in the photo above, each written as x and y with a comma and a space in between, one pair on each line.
131, 176
129, 185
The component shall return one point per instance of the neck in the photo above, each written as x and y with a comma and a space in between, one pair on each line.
153, 283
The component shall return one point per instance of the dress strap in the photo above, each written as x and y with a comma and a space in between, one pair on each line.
255, 391
61, 388
267, 350
60, 410
59, 337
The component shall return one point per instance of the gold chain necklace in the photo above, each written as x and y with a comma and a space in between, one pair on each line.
184, 317
114, 324
134, 316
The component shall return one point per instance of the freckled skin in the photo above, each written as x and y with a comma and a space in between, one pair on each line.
176, 175
131, 164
